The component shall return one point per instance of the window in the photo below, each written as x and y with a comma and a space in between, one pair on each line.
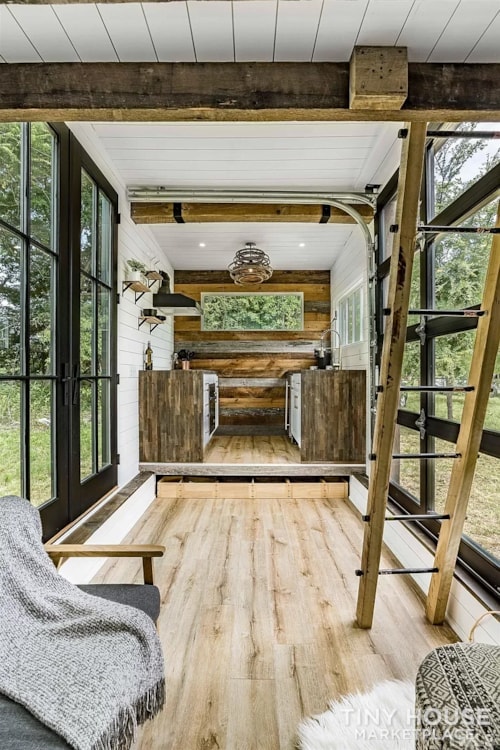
28, 265
461, 188
351, 317
246, 311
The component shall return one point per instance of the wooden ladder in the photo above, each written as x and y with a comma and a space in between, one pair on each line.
476, 398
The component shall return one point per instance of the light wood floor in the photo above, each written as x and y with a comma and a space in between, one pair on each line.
252, 449
257, 619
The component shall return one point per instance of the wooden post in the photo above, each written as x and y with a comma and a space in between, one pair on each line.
469, 438
410, 178
378, 78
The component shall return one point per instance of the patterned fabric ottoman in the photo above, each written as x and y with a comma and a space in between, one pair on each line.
458, 698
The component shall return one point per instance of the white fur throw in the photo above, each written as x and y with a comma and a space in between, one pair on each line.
89, 669
382, 719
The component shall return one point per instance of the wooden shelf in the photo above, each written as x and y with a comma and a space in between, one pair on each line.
154, 276
153, 321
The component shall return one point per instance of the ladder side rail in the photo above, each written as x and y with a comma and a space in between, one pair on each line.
407, 214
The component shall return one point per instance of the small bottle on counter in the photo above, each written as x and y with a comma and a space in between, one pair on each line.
148, 357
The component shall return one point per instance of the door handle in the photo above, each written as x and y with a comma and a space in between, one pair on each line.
76, 385
65, 380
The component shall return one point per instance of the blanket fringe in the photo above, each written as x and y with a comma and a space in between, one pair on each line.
121, 733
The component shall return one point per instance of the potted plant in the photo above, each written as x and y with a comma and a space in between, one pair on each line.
136, 270
184, 356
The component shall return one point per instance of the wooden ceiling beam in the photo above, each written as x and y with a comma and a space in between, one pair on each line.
163, 213
236, 92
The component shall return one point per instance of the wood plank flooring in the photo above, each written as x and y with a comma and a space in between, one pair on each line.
252, 449
257, 619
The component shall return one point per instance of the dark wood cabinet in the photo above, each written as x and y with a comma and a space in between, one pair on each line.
333, 416
174, 415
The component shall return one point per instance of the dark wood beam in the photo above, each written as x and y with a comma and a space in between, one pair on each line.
163, 213
236, 91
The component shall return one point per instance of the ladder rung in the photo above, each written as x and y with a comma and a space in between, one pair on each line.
489, 134
458, 230
422, 517
400, 571
438, 388
444, 313
426, 455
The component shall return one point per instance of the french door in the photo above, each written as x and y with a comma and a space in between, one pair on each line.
57, 323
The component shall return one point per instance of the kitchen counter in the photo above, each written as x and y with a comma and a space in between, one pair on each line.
178, 414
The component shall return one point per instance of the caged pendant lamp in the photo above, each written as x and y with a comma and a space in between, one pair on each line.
250, 265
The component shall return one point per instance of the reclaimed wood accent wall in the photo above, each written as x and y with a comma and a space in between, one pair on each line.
252, 364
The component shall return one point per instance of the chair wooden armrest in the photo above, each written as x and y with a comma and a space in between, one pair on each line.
58, 552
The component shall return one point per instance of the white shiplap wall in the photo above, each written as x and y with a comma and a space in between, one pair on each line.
348, 272
133, 242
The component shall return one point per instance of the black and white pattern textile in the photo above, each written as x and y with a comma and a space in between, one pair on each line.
458, 698
89, 669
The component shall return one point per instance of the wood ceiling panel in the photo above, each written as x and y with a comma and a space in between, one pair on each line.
338, 29
296, 30
15, 46
470, 21
129, 32
84, 26
212, 26
254, 30
418, 34
383, 22
170, 31
44, 30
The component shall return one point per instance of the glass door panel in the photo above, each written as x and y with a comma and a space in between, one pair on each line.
95, 368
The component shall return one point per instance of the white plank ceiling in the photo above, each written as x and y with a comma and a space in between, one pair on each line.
323, 157
244, 30
295, 156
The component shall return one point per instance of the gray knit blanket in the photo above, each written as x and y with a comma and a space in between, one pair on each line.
89, 669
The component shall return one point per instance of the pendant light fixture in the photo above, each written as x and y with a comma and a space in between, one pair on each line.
250, 265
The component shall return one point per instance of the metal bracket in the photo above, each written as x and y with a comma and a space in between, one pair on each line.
421, 423
421, 331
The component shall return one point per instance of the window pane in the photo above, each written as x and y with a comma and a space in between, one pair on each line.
350, 321
104, 424
253, 312
41, 322
483, 511
411, 376
87, 234
42, 183
41, 443
10, 439
357, 316
86, 326
492, 419
105, 239
461, 261
10, 303
86, 430
452, 364
103, 333
406, 472
10, 173
460, 163
388, 218
414, 303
